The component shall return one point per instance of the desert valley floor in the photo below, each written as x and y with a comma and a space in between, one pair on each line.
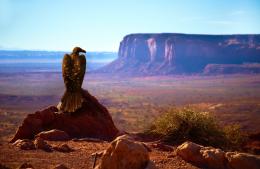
134, 102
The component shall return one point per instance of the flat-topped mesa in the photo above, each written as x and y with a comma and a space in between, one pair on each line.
169, 53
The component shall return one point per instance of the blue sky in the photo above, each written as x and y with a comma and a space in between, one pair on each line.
100, 25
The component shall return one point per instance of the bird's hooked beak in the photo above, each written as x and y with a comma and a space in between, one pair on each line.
82, 50
77, 50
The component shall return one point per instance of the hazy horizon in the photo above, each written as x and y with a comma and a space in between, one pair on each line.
111, 51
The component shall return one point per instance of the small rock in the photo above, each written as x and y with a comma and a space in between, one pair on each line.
24, 144
54, 135
60, 166
26, 166
41, 144
242, 160
63, 148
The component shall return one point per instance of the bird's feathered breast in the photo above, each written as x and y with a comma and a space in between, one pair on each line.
82, 67
73, 70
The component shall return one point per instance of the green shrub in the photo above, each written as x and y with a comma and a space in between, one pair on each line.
178, 125
234, 137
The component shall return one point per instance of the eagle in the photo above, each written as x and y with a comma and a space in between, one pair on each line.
73, 71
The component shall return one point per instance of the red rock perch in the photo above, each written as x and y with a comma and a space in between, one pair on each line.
91, 120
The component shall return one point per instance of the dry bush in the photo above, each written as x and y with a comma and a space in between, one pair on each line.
178, 125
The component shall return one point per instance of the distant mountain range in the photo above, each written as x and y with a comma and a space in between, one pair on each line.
47, 61
170, 53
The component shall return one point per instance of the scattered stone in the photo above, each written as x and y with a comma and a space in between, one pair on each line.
26, 166
63, 148
41, 144
24, 144
213, 158
60, 166
54, 135
124, 154
242, 160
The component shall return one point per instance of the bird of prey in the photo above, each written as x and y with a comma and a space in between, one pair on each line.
73, 71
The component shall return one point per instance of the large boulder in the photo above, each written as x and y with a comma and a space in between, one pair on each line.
124, 153
91, 120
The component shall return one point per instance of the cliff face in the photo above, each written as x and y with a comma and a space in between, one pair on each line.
152, 54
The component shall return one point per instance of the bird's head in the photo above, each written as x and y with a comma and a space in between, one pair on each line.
77, 50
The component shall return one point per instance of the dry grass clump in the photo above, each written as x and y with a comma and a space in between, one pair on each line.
178, 125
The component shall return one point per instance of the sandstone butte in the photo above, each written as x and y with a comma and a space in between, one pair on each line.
173, 53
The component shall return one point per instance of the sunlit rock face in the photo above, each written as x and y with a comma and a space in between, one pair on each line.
168, 53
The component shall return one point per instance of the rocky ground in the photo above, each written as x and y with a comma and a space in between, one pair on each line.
92, 120
127, 151
13, 157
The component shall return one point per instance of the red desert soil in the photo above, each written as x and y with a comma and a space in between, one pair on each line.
13, 157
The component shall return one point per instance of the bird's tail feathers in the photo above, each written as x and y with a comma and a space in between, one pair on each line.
71, 101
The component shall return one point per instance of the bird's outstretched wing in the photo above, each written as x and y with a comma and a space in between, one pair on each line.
67, 66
